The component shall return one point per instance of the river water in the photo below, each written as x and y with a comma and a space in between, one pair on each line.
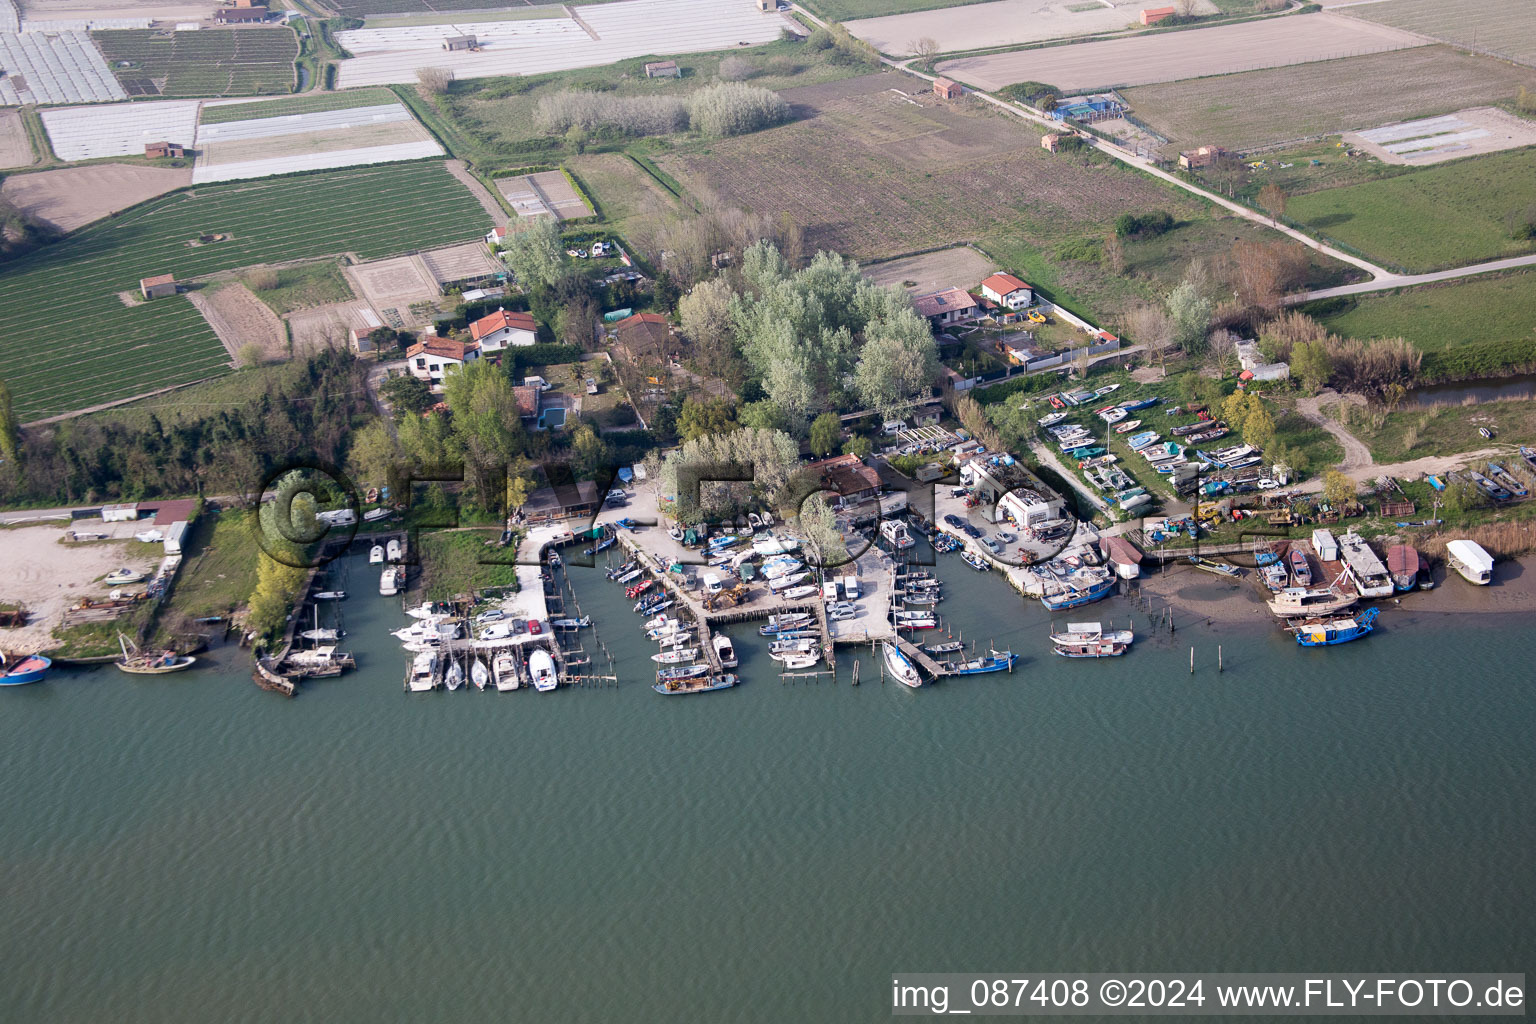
193, 849
1492, 389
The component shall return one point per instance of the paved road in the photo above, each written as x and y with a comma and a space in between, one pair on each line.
1406, 280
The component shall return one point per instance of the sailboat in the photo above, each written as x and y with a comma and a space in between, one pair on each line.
455, 676
479, 674
900, 666
318, 633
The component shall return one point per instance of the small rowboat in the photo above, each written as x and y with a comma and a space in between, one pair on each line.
1127, 426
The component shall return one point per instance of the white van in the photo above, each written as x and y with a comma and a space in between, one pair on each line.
538, 382
712, 584
893, 426
850, 588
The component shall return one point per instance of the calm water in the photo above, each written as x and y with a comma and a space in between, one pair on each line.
193, 849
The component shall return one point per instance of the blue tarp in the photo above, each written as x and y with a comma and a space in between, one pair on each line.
626, 474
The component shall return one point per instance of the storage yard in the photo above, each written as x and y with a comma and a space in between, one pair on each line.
72, 289
605, 33
548, 193
1261, 108
208, 62
1001, 23
62, 67
1172, 56
305, 142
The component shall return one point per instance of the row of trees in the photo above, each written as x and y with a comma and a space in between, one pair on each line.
724, 108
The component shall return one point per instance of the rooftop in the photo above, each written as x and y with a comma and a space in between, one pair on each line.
845, 474
1002, 284
443, 348
946, 301
500, 320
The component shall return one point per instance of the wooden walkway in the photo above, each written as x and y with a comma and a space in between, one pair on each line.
926, 663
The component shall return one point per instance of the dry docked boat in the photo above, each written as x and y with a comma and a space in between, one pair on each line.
802, 591
1127, 426
1403, 563
1294, 601
1469, 559
1300, 567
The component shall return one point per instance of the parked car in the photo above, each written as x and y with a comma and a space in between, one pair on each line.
953, 520
591, 385
971, 531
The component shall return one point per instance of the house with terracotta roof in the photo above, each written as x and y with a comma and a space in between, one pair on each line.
431, 359
848, 477
158, 286
503, 330
947, 89
1007, 290
952, 305
527, 396
645, 336
496, 236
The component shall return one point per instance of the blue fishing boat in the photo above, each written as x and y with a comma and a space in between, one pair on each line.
626, 524
1076, 597
30, 669
997, 661
721, 543
1145, 403
1327, 632
1507, 480
1265, 552
1435, 482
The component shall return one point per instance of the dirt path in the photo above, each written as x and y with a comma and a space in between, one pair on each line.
488, 202
1413, 469
1356, 455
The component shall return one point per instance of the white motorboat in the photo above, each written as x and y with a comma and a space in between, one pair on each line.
392, 551
1053, 419
542, 669
331, 595
676, 656
1079, 633
479, 674
783, 583
121, 577
724, 650
376, 554
803, 591
798, 661
454, 678
804, 643
423, 672
504, 668
900, 666
321, 634
389, 581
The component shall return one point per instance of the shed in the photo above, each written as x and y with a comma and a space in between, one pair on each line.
1204, 156
158, 286
460, 43
1325, 545
175, 536
1153, 15
949, 90
239, 15
1050, 141
126, 513
157, 150
768, 5
1122, 556
663, 69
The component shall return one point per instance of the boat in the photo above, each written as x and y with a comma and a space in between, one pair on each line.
541, 668
1487, 434
782, 645
331, 595
1265, 552
724, 650
922, 597
1127, 426
424, 672
1090, 649
571, 624
321, 634
137, 663
1488, 487
1403, 563
376, 554
1053, 419
639, 588
1106, 389
1301, 569
392, 551
1327, 632
630, 576
997, 661
1529, 455
30, 668
1080, 632
504, 670
1114, 415
1218, 568
1469, 559
948, 647
1275, 576
121, 577
896, 535
900, 666
785, 622
620, 570
1294, 601
799, 661
1136, 406
681, 672
389, 581
657, 622
974, 560
800, 592
1069, 594
676, 656
918, 621
479, 674
1505, 479
454, 678
673, 687
783, 583
374, 515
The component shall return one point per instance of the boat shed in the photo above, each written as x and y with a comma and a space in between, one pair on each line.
1122, 556
126, 513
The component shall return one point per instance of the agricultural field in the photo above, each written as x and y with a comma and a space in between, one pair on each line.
71, 290
1438, 317
962, 266
365, 8
222, 112
978, 26
1265, 108
847, 10
1504, 27
118, 129
317, 140
547, 193
1443, 216
15, 147
72, 197
625, 194
209, 62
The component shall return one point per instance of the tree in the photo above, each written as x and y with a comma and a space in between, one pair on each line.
1338, 489
520, 483
735, 108
1311, 363
1190, 315
373, 453
924, 48
589, 453
1112, 253
858, 445
1272, 201
434, 81
1262, 272
1224, 352
534, 253
826, 434
704, 315
1235, 410
1151, 327
710, 416
1259, 425
818, 527
250, 354
898, 359
737, 69
10, 429
407, 394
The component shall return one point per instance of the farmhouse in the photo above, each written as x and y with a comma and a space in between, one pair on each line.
460, 43
156, 150
1050, 141
503, 330
1007, 290
947, 89
495, 237
663, 69
848, 478
158, 286
1202, 157
432, 358
644, 336
949, 306
240, 15
1153, 15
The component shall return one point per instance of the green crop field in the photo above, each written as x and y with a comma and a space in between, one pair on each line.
1441, 316
312, 103
210, 62
1438, 217
74, 343
845, 10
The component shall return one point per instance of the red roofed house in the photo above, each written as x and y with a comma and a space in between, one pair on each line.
1007, 290
495, 237
848, 477
947, 89
158, 286
527, 396
431, 359
645, 336
504, 330
239, 15
949, 306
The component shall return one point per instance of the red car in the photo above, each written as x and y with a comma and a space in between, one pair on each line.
534, 627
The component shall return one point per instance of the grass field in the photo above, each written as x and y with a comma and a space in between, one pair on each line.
1264, 108
1503, 26
312, 103
1411, 433
303, 286
212, 62
219, 571
1443, 216
625, 194
1443, 316
74, 343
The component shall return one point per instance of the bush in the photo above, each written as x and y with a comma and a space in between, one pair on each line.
737, 69
597, 112
1128, 225
1521, 224
1036, 94
262, 279
733, 108
545, 354
820, 39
